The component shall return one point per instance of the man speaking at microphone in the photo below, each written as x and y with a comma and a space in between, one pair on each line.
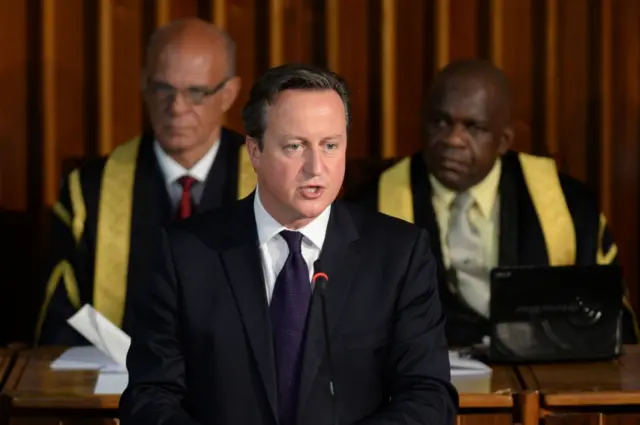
231, 331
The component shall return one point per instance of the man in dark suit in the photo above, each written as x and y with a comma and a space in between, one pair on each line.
110, 210
485, 205
232, 330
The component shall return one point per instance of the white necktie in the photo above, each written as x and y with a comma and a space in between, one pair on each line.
466, 256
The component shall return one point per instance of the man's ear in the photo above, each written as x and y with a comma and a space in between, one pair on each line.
253, 148
230, 93
506, 140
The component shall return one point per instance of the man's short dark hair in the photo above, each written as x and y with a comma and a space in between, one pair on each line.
473, 69
287, 77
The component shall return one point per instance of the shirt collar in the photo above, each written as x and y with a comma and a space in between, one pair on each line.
483, 193
172, 171
268, 227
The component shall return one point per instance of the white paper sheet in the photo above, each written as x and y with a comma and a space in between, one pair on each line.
466, 366
86, 358
104, 335
110, 344
110, 383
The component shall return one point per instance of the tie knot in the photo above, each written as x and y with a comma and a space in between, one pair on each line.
187, 182
293, 240
463, 202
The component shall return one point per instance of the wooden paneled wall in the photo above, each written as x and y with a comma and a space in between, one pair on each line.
71, 70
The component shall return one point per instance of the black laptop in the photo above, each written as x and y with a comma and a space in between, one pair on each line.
551, 314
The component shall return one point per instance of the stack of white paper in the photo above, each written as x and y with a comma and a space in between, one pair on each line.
111, 383
86, 358
465, 366
104, 335
108, 354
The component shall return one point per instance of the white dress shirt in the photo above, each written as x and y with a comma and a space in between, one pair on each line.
172, 171
273, 248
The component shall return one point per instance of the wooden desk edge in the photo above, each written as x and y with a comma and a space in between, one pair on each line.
585, 398
499, 399
576, 398
22, 400
7, 356
70, 402
19, 399
16, 372
22, 358
5, 362
486, 401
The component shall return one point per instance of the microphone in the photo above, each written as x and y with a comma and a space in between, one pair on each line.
320, 280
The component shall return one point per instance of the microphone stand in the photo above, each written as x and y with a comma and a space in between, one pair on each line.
321, 281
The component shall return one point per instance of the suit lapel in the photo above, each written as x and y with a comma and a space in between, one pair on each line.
221, 185
216, 179
244, 272
232, 158
525, 244
508, 243
151, 209
150, 184
425, 216
340, 258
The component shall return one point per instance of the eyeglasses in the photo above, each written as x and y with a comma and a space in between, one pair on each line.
194, 95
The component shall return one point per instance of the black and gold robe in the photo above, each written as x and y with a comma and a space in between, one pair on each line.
546, 218
104, 225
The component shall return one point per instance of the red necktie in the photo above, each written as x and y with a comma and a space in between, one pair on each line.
185, 207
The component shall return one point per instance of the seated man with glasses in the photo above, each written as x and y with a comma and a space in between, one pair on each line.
110, 210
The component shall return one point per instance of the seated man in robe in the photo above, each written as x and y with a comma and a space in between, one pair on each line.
481, 201
110, 210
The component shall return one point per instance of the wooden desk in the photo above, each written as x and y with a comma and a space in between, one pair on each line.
36, 394
6, 356
598, 393
489, 400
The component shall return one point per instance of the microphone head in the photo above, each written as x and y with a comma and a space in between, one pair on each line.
320, 279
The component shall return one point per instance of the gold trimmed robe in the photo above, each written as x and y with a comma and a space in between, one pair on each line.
105, 223
546, 217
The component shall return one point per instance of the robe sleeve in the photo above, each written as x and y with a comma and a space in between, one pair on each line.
68, 254
608, 254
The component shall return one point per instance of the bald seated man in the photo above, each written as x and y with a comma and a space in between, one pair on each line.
109, 210
484, 202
